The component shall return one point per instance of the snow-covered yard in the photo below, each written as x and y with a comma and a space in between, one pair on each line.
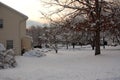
71, 64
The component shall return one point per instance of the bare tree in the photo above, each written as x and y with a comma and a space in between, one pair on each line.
89, 9
33, 31
115, 20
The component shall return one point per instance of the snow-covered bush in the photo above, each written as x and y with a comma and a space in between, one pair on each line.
43, 50
35, 53
7, 58
2, 48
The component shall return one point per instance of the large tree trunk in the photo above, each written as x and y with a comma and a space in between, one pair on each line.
98, 24
97, 42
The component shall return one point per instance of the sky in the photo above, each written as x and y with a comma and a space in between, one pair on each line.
30, 8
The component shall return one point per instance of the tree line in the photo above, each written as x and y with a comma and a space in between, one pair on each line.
82, 21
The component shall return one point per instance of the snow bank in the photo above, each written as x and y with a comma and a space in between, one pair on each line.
35, 53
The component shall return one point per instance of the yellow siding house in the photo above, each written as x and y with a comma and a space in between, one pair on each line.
12, 28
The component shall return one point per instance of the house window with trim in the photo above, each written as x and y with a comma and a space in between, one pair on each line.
9, 44
1, 23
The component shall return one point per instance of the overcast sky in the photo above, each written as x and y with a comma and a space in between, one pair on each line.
30, 8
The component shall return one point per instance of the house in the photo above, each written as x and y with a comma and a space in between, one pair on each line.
13, 29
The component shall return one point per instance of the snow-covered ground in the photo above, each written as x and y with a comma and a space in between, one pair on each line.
72, 64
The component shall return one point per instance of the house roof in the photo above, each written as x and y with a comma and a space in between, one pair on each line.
19, 13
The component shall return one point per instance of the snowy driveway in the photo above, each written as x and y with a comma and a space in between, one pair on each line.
67, 65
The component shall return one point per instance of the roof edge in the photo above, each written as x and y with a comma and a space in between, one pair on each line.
21, 14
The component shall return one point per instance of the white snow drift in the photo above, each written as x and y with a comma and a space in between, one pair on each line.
36, 52
72, 64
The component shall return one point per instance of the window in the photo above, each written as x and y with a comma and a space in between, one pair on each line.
1, 23
9, 44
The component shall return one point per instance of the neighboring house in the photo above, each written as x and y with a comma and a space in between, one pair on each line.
12, 29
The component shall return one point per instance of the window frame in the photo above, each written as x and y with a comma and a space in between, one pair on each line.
9, 44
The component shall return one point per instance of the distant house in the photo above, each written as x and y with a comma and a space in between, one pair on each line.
13, 29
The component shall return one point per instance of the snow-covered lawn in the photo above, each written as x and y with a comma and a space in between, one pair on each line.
71, 64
